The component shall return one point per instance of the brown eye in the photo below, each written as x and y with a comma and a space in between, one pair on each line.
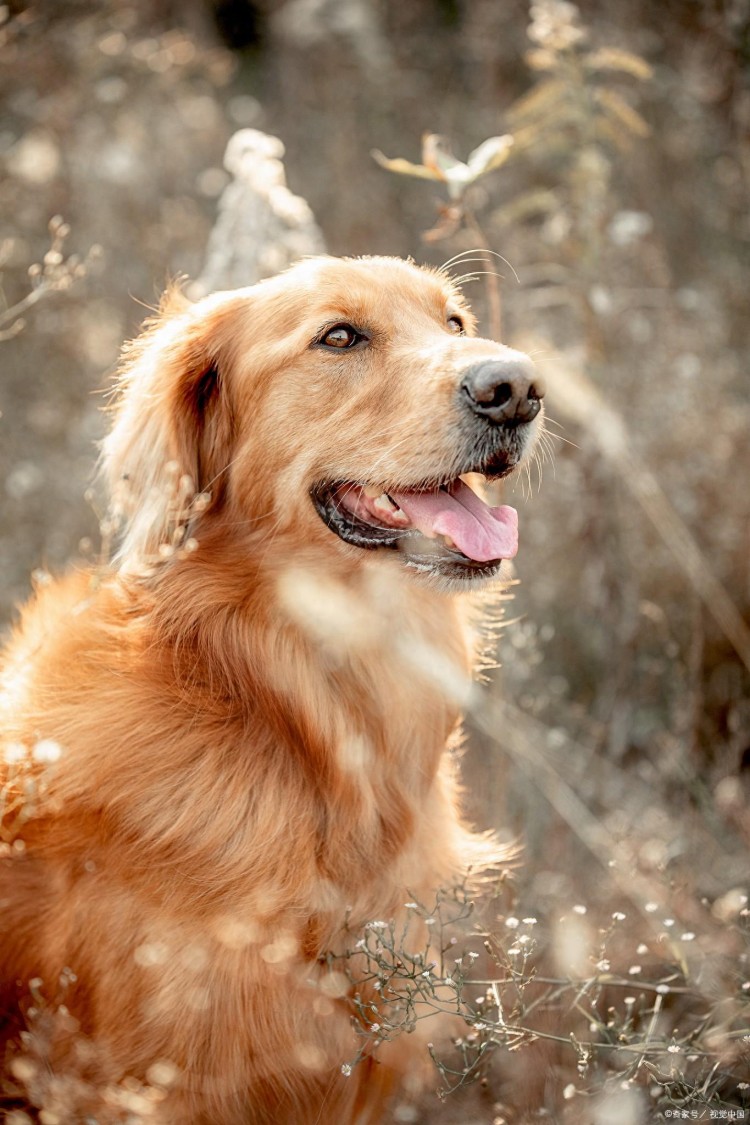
455, 324
341, 336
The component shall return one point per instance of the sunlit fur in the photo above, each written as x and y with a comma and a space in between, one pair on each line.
249, 717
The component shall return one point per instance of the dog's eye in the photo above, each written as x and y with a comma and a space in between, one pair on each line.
341, 336
455, 324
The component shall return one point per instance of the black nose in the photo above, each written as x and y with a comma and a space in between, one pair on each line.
504, 391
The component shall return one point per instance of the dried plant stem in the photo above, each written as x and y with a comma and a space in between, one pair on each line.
523, 738
492, 285
11, 321
678, 537
573, 393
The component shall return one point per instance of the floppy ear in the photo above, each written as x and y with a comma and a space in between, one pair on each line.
173, 429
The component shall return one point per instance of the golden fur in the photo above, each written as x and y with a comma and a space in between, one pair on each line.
217, 748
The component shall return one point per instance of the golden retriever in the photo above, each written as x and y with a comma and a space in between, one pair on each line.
226, 750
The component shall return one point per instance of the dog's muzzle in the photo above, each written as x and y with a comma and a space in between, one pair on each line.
440, 524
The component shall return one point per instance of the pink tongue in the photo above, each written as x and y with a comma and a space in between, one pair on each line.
480, 532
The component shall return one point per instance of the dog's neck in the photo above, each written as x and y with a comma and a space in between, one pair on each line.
240, 629
285, 672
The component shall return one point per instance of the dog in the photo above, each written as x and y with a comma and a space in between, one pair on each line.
224, 752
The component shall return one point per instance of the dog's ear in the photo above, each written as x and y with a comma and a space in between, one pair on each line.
173, 428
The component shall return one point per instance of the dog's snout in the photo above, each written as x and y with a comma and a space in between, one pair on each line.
504, 391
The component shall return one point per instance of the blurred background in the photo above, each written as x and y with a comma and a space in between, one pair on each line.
614, 740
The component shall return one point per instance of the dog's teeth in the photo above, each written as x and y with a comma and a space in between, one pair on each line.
385, 503
371, 491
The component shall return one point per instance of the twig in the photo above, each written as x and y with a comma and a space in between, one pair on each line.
494, 300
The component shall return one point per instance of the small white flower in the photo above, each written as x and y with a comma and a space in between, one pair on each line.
603, 966
14, 752
635, 969
651, 907
618, 916
689, 936
674, 1049
669, 921
514, 951
579, 908
529, 921
46, 750
642, 948
569, 1091
346, 1069
512, 923
663, 989
411, 905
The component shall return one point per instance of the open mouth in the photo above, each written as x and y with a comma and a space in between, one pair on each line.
445, 529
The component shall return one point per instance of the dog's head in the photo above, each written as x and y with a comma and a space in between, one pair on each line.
336, 407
